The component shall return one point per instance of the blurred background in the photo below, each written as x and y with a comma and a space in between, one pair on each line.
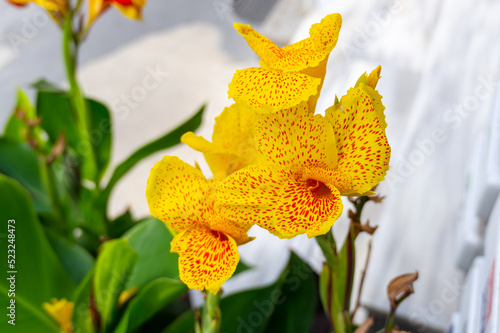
440, 72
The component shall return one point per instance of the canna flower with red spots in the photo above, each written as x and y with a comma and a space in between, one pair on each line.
309, 162
180, 196
130, 8
287, 76
233, 144
59, 6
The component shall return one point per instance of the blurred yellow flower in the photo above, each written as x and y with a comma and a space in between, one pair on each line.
287, 75
180, 196
130, 8
126, 295
308, 163
61, 311
233, 145
60, 6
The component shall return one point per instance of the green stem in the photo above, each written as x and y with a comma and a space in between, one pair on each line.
49, 175
211, 315
70, 50
351, 252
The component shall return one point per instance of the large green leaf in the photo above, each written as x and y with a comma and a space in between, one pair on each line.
75, 259
113, 269
19, 161
151, 240
286, 306
40, 276
57, 116
166, 141
82, 316
183, 324
100, 134
150, 299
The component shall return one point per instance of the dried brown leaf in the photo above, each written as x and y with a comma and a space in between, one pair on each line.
363, 328
400, 287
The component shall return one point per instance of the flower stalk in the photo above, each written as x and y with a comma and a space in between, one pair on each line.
70, 52
210, 315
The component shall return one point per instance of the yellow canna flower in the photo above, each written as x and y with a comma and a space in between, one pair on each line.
287, 75
130, 8
60, 6
61, 311
362, 146
308, 163
233, 145
180, 196
126, 295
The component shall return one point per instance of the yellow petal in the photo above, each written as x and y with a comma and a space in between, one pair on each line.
95, 8
362, 145
313, 51
373, 77
176, 194
207, 258
265, 49
302, 210
126, 295
218, 159
60, 6
292, 138
326, 33
251, 195
279, 201
132, 11
279, 90
233, 146
61, 311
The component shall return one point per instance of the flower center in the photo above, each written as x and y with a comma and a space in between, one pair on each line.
319, 189
220, 235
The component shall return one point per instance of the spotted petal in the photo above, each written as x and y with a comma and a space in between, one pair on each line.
303, 210
207, 258
279, 90
292, 138
176, 193
233, 145
362, 145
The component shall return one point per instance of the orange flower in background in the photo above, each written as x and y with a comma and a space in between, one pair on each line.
60, 6
233, 144
130, 8
180, 196
287, 75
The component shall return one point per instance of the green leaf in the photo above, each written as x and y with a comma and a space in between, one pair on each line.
82, 317
296, 313
183, 324
166, 141
241, 268
150, 299
40, 276
113, 269
44, 85
15, 128
286, 306
75, 259
151, 240
100, 134
57, 116
120, 225
19, 161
